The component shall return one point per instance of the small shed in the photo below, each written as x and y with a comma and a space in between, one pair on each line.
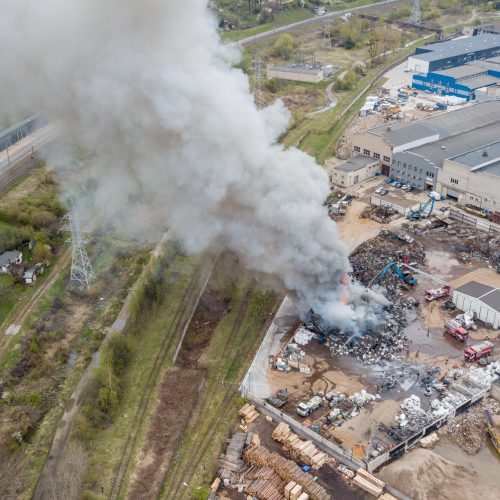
482, 299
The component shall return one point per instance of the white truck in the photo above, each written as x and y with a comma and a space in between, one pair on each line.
305, 409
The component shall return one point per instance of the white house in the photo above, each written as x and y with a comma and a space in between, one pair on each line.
7, 259
482, 299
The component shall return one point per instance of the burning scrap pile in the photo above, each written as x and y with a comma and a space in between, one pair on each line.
380, 213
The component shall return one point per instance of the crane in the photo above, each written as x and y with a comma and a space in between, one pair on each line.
405, 276
416, 214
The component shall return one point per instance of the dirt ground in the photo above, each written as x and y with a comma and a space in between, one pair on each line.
425, 475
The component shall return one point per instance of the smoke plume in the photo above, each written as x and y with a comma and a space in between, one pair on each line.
175, 137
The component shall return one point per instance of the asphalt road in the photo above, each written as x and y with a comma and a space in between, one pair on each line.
19, 159
318, 19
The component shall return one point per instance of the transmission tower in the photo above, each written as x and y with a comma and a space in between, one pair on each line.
257, 87
327, 36
416, 17
81, 269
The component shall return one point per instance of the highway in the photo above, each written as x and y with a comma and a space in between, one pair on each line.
318, 19
19, 159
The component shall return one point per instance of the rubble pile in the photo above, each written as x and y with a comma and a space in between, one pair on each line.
469, 244
483, 377
370, 258
379, 213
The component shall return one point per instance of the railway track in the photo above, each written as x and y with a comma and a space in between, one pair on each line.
180, 323
182, 475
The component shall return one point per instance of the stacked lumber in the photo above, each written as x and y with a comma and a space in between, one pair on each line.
387, 496
248, 413
304, 451
368, 482
286, 469
231, 460
293, 491
264, 483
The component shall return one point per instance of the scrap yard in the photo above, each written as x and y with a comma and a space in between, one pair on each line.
422, 383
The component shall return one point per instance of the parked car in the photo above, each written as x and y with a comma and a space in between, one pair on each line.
398, 184
389, 180
409, 189
379, 190
384, 192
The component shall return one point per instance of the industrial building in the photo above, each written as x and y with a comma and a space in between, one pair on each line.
355, 170
311, 73
457, 52
462, 81
473, 177
476, 124
484, 300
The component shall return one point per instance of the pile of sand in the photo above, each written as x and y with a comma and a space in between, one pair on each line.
424, 475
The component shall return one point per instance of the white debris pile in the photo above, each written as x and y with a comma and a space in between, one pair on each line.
484, 377
411, 404
303, 336
443, 407
363, 397
334, 398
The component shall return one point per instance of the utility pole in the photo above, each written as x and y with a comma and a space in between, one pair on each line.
257, 88
327, 36
82, 273
416, 16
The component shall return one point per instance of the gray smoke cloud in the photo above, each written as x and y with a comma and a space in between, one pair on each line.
176, 139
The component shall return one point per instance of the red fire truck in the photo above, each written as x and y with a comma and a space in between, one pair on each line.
453, 328
478, 351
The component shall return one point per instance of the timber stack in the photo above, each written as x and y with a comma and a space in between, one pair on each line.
286, 469
248, 413
303, 451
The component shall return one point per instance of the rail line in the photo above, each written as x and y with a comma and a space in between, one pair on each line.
180, 323
182, 475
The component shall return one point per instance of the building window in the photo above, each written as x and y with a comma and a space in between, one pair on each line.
376, 155
416, 169
366, 152
404, 165
386, 158
421, 171
454, 181
357, 149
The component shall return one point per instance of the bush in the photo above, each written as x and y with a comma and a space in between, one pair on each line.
347, 82
272, 85
283, 46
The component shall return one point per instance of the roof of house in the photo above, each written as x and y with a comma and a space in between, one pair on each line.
492, 299
457, 47
355, 163
443, 124
475, 289
8, 257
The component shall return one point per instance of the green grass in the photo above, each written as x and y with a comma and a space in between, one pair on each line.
105, 450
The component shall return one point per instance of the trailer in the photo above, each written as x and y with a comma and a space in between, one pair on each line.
305, 409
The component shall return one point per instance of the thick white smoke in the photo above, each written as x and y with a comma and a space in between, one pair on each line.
178, 141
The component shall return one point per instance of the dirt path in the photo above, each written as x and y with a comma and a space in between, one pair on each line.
24, 312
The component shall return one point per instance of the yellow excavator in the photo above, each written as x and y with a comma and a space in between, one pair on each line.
493, 429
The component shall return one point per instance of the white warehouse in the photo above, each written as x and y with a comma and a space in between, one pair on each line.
482, 299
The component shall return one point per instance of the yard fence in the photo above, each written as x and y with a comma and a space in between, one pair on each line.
483, 225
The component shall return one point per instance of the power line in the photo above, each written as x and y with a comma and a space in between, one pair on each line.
257, 86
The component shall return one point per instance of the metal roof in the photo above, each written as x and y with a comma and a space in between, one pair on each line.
461, 71
8, 257
445, 124
475, 289
355, 163
478, 82
457, 47
452, 147
485, 155
492, 299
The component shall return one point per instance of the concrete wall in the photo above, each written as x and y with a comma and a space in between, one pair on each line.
296, 75
477, 188
372, 145
414, 170
348, 179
